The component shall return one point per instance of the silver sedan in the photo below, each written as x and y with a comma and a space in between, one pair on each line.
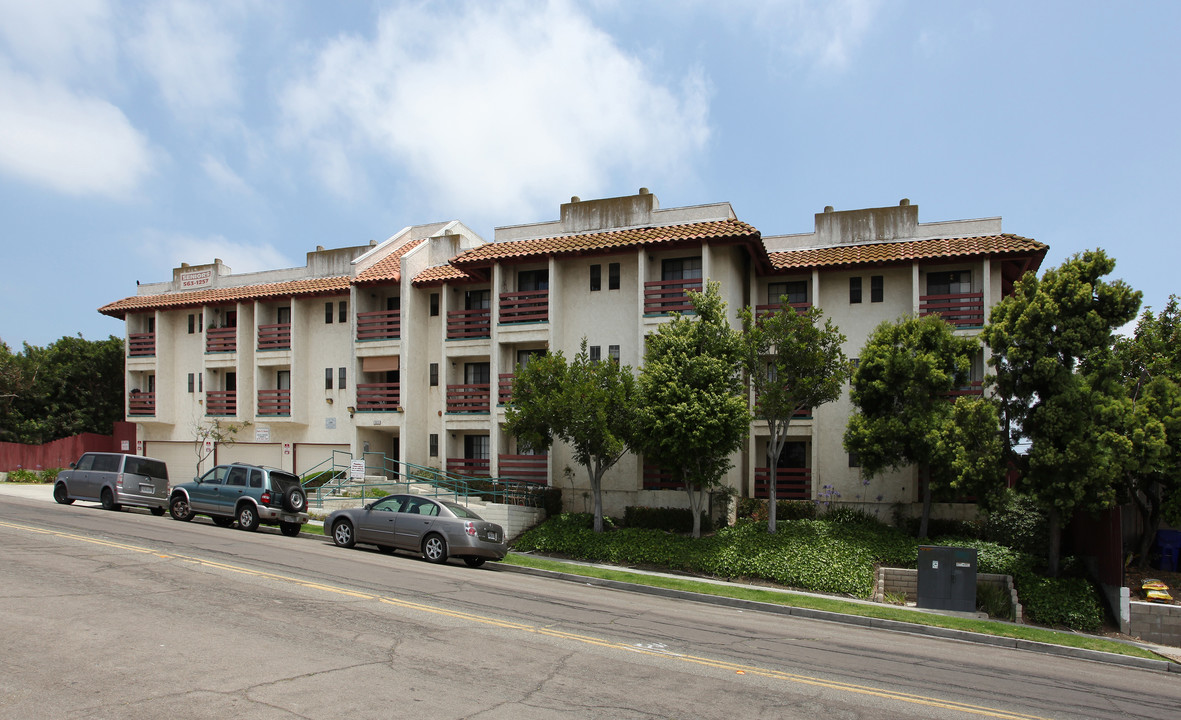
438, 529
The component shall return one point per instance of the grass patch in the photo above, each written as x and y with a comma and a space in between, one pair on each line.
836, 605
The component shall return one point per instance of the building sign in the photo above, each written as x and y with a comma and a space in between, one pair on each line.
286, 448
262, 433
125, 446
196, 279
357, 470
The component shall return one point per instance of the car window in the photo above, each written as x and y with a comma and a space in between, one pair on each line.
106, 463
153, 468
214, 476
85, 463
256, 478
392, 503
461, 512
426, 507
236, 476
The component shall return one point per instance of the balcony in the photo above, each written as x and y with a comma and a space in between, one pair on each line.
765, 310
656, 478
963, 310
379, 325
141, 344
378, 397
274, 402
523, 307
462, 324
976, 387
274, 337
504, 394
472, 467
221, 340
526, 468
665, 296
790, 483
474, 398
141, 403
221, 402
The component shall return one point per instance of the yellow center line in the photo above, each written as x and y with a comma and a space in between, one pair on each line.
550, 632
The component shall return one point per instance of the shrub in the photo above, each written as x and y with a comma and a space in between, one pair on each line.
50, 475
786, 510
678, 520
994, 600
1017, 523
1060, 602
942, 528
23, 476
851, 516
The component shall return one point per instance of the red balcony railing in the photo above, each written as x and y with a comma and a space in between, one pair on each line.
525, 306
221, 402
663, 296
141, 403
469, 324
141, 344
527, 468
656, 478
378, 397
976, 387
379, 325
504, 393
221, 339
475, 398
764, 310
473, 467
959, 309
274, 402
790, 483
274, 337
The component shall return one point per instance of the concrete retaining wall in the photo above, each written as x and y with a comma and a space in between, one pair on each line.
905, 581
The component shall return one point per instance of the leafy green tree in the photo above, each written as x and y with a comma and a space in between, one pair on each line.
11, 386
792, 363
207, 435
904, 415
1151, 364
693, 412
587, 404
1059, 386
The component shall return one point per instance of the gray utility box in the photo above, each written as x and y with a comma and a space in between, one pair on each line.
947, 578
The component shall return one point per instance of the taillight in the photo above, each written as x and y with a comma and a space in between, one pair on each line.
119, 481
266, 497
470, 528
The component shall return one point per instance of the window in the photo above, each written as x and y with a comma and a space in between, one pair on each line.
524, 356
477, 299
854, 460
877, 286
680, 269
434, 445
949, 283
327, 378
255, 478
200, 382
477, 373
192, 324
613, 352
192, 382
237, 476
231, 382
283, 380
342, 314
393, 303
613, 276
796, 292
854, 290
283, 315
328, 313
200, 321
595, 353
152, 383
475, 447
434, 374
596, 277
530, 280
341, 377
152, 324
434, 304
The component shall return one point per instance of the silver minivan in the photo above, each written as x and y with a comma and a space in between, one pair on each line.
115, 480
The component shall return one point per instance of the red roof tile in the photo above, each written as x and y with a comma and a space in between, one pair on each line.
890, 252
389, 268
440, 274
486, 255
217, 296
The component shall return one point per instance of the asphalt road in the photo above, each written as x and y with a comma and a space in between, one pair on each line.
125, 615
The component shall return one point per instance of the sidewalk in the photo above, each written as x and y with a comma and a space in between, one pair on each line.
45, 492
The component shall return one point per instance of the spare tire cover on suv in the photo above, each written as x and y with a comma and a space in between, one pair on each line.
288, 486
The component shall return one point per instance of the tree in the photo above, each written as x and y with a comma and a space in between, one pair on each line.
1150, 361
904, 412
588, 404
207, 435
693, 412
792, 364
1059, 387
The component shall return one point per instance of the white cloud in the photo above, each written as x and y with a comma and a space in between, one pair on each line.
821, 34
166, 251
72, 143
490, 107
219, 172
186, 48
58, 38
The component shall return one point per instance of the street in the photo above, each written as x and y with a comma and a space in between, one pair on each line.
126, 615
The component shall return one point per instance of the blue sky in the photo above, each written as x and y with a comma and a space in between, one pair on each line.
137, 135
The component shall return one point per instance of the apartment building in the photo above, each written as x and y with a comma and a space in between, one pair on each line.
406, 350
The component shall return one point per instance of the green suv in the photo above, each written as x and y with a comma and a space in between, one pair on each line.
248, 494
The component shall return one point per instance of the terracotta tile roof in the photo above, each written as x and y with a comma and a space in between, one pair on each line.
891, 252
440, 274
389, 268
217, 296
598, 242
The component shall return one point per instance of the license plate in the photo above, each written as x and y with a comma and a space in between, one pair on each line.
493, 537
148, 489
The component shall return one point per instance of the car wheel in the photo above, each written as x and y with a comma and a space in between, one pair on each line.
295, 500
61, 494
108, 500
221, 521
157, 511
179, 509
473, 561
290, 529
434, 548
342, 534
247, 518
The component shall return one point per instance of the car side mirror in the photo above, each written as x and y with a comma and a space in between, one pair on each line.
73, 465
369, 506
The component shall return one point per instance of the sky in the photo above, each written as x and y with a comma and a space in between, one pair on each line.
136, 135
